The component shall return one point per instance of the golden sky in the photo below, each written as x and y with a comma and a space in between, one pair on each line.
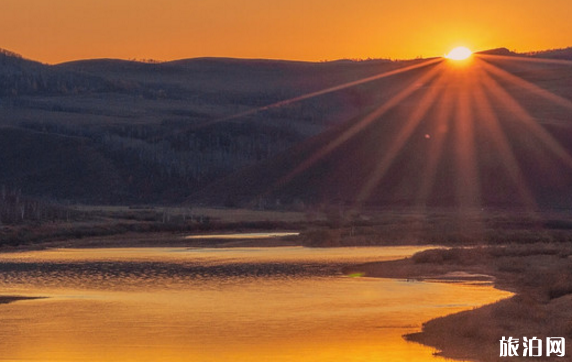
54, 31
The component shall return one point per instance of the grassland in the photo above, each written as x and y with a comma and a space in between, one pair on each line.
324, 226
82, 226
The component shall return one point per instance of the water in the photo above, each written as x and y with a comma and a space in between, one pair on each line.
250, 236
244, 304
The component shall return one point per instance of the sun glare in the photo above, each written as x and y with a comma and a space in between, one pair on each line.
459, 53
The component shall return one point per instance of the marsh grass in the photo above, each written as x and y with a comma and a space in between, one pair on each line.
319, 228
440, 227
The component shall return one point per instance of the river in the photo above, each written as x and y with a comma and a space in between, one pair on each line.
236, 304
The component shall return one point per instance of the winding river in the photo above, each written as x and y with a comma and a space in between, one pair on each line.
236, 304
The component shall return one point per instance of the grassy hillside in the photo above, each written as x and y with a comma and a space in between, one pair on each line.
508, 148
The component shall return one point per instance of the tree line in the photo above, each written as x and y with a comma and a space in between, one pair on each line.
15, 208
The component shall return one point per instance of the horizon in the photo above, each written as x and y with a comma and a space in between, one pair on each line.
354, 59
64, 31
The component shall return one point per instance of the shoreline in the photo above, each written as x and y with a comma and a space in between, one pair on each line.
538, 275
11, 299
154, 239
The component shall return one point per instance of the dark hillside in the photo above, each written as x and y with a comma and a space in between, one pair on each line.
565, 54
59, 166
155, 132
19, 76
468, 166
114, 131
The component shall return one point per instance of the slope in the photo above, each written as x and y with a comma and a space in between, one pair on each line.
496, 133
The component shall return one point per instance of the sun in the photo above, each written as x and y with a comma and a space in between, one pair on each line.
459, 53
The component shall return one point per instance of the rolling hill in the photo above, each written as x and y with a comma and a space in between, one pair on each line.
199, 130
160, 131
474, 144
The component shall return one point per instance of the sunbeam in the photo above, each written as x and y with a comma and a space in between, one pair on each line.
397, 144
533, 88
524, 59
536, 129
287, 102
444, 133
467, 185
441, 126
361, 124
501, 144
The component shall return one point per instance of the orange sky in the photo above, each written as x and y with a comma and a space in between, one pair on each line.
54, 31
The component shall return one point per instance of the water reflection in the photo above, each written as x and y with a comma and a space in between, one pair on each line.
250, 236
255, 304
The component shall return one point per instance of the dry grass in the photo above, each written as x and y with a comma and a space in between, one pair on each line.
218, 214
540, 274
111, 224
475, 334
321, 227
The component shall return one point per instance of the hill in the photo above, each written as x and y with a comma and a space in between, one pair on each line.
563, 53
116, 131
472, 145
160, 131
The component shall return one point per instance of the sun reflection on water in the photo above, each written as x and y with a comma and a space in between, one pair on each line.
152, 306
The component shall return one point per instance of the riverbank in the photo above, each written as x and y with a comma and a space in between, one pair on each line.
141, 227
540, 275
527, 254
320, 227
